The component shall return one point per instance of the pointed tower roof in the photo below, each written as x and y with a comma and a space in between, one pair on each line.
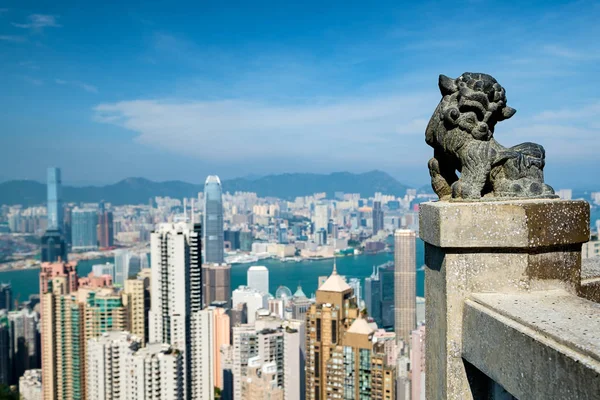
299, 293
361, 326
334, 283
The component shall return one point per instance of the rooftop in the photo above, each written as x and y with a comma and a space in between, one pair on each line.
361, 326
334, 283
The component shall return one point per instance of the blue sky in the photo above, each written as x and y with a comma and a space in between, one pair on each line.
181, 90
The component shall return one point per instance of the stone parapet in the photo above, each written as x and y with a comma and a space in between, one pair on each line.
509, 247
505, 225
538, 345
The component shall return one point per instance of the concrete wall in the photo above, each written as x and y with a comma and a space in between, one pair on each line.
513, 247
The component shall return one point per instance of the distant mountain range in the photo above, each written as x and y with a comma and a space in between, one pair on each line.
139, 190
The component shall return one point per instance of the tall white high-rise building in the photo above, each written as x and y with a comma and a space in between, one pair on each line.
321, 217
202, 354
176, 315
405, 317
30, 385
264, 343
104, 269
258, 278
294, 349
356, 287
254, 299
107, 365
128, 265
156, 372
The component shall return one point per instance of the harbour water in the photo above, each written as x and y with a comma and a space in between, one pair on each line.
290, 274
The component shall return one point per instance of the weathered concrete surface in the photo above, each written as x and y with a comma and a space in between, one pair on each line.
590, 279
509, 225
538, 345
497, 247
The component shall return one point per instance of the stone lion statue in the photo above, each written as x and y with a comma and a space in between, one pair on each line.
461, 132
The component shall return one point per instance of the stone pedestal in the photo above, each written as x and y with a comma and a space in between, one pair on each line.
513, 246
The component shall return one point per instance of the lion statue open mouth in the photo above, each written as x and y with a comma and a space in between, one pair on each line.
461, 133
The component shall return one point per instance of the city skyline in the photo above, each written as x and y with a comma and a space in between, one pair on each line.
254, 201
356, 80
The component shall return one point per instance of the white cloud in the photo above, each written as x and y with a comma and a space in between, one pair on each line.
82, 85
87, 87
39, 22
570, 53
33, 81
12, 38
29, 65
566, 134
346, 129
574, 115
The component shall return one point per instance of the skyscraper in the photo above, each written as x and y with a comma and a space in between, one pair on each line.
258, 278
25, 341
6, 301
213, 221
294, 348
156, 373
265, 341
321, 217
216, 280
176, 315
254, 299
74, 310
104, 269
53, 242
356, 289
61, 368
405, 284
5, 359
54, 247
55, 206
30, 385
83, 231
417, 363
377, 217
104, 230
222, 337
373, 296
387, 277
138, 305
108, 357
342, 359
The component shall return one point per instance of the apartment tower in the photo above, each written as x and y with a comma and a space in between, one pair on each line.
404, 284
176, 316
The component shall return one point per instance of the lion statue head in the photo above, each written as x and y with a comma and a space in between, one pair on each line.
473, 103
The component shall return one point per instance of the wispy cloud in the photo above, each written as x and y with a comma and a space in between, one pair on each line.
39, 22
3, 10
567, 134
82, 85
570, 53
13, 38
33, 81
29, 65
359, 129
581, 114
